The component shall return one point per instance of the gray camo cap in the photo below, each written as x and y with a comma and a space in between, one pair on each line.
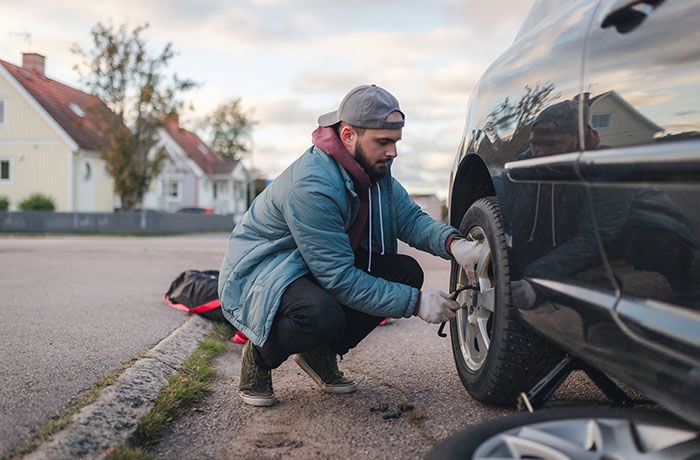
366, 106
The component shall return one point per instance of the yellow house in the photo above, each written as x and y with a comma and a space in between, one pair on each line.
49, 142
618, 123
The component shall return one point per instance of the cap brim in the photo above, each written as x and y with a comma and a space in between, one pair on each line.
328, 119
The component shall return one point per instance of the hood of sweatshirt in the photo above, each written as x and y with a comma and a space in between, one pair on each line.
327, 140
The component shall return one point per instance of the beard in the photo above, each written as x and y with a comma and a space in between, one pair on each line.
374, 172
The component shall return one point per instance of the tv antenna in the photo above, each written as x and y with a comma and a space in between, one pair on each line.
26, 35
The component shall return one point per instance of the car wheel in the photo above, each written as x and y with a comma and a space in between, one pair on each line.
496, 356
591, 432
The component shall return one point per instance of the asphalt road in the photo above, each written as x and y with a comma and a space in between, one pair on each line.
403, 363
76, 308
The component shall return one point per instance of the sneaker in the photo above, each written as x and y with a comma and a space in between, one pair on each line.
255, 386
322, 367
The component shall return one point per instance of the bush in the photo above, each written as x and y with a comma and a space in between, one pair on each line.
4, 203
37, 202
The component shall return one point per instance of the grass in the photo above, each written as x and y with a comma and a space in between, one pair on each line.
182, 392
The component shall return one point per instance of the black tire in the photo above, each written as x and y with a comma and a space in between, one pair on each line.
496, 355
591, 432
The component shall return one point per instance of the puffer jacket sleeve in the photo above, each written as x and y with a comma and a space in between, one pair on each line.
317, 213
417, 228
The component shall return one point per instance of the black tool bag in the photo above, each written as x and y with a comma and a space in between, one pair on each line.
196, 291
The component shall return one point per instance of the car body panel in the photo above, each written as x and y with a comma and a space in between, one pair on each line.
625, 296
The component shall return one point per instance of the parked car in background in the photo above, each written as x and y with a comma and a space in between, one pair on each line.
196, 211
579, 170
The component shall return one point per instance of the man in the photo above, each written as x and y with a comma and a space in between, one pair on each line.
312, 267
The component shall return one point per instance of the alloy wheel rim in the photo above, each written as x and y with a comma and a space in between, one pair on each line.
604, 438
474, 318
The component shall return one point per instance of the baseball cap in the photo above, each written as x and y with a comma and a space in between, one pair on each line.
563, 116
366, 106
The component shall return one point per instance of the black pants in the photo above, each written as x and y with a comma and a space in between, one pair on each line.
309, 318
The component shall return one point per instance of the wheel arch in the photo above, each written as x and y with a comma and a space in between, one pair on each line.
471, 182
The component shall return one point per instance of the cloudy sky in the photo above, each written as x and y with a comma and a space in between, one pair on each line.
292, 60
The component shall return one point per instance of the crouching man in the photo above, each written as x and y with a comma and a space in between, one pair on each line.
312, 268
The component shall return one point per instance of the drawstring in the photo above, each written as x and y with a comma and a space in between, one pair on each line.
369, 230
554, 237
537, 208
381, 223
369, 227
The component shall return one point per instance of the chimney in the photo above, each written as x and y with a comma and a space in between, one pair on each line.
173, 119
33, 61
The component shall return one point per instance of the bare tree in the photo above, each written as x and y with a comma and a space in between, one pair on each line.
139, 94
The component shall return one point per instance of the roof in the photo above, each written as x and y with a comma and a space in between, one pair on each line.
68, 106
208, 160
628, 107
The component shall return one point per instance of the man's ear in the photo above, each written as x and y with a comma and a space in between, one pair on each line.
348, 137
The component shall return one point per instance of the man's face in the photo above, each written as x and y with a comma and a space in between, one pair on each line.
375, 148
543, 143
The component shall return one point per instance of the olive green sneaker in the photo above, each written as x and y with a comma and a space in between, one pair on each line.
322, 367
255, 386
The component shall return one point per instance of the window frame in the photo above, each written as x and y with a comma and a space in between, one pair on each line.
607, 116
8, 161
3, 112
178, 190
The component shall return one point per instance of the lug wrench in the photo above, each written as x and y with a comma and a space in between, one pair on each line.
453, 296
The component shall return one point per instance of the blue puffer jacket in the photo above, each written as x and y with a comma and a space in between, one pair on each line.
299, 224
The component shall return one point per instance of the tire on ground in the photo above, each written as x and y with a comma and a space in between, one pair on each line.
516, 358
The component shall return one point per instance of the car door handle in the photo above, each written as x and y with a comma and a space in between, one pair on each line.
629, 16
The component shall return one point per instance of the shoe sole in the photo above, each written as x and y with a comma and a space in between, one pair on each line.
259, 401
328, 388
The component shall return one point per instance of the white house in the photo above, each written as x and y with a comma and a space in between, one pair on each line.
196, 176
49, 142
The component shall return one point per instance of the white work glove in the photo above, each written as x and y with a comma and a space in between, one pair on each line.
523, 295
436, 307
466, 253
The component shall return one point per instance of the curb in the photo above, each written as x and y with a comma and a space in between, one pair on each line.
109, 421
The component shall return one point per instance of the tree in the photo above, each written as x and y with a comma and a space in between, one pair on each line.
516, 118
229, 129
119, 70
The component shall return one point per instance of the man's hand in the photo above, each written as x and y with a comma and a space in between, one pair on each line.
436, 307
466, 253
524, 296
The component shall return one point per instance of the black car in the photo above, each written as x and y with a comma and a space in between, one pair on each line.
579, 170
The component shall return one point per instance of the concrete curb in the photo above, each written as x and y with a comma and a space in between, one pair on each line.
110, 420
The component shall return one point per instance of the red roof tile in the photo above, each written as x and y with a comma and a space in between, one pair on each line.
207, 159
57, 98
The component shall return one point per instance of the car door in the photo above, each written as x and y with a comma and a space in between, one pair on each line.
642, 85
546, 206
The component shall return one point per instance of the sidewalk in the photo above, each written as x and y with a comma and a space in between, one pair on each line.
110, 420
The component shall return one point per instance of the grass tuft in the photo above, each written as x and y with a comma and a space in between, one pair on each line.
183, 390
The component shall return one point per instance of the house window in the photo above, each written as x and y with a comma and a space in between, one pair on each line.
173, 190
601, 120
3, 105
5, 171
220, 189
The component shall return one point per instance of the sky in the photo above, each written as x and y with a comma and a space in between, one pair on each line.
292, 60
